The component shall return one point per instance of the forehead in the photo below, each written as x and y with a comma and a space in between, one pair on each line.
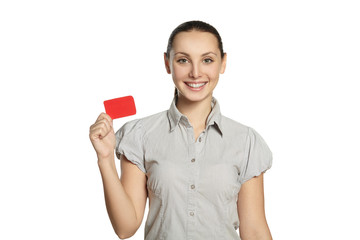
195, 42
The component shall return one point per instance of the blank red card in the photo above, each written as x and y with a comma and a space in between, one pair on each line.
120, 107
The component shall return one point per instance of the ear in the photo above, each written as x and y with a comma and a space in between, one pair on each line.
167, 64
223, 63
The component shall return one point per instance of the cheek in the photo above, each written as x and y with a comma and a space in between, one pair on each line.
179, 73
214, 72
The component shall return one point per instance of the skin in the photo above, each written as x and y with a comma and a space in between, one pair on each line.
125, 198
194, 58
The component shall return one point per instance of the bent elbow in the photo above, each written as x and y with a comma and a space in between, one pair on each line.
124, 235
127, 230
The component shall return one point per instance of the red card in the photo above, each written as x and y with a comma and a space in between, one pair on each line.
120, 107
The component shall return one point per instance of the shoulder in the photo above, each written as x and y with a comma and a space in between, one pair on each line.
232, 127
146, 123
236, 130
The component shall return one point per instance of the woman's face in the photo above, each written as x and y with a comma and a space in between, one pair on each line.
195, 64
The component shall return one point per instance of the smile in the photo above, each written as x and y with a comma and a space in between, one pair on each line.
195, 85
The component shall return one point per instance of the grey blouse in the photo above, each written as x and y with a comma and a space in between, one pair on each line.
193, 185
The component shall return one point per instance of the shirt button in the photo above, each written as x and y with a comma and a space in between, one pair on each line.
193, 160
191, 213
192, 186
200, 139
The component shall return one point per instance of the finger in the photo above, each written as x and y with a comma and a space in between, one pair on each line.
105, 116
109, 119
97, 133
101, 116
103, 124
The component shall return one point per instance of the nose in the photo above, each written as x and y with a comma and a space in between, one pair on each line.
195, 71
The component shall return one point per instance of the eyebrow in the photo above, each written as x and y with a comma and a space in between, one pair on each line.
204, 54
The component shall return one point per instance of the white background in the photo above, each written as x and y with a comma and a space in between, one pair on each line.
292, 74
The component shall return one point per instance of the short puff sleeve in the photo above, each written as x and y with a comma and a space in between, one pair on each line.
129, 142
258, 157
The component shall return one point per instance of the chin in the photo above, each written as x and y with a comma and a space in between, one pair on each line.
196, 97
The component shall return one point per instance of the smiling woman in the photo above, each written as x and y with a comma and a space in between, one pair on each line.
195, 62
202, 172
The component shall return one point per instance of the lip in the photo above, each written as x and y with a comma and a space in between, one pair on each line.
196, 89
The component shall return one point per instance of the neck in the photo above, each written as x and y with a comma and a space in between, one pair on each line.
196, 112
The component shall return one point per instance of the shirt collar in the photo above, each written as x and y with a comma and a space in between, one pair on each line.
214, 117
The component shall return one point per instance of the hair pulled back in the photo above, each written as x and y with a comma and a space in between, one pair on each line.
197, 26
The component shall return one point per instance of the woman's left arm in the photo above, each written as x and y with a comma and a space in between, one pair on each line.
251, 210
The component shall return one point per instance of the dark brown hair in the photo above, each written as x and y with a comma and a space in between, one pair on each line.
197, 26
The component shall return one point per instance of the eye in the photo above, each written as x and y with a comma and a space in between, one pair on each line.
182, 60
208, 60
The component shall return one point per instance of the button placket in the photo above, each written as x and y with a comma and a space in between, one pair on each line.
193, 175
201, 137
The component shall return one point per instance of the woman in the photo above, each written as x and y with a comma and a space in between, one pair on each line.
202, 172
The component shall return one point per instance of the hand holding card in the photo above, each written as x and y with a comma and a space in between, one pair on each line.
120, 107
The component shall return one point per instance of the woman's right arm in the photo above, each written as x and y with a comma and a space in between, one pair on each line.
126, 197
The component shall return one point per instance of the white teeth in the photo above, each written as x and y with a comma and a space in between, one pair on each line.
195, 85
